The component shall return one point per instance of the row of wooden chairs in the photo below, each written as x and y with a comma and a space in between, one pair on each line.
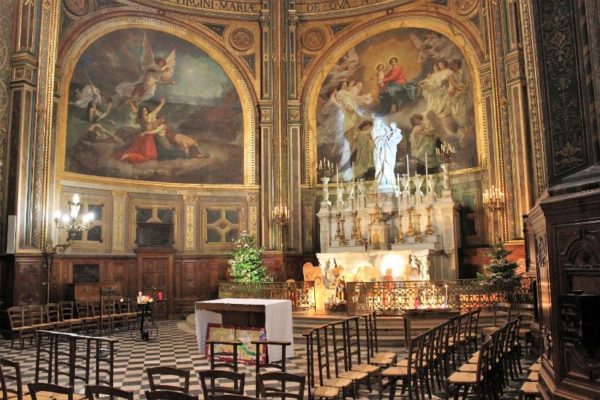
68, 316
334, 352
429, 355
487, 372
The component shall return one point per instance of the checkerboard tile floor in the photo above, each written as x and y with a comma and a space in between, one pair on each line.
175, 348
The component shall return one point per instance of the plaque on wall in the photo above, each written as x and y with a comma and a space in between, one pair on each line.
86, 273
154, 234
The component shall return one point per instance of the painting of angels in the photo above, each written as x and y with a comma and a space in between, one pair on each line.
413, 78
147, 105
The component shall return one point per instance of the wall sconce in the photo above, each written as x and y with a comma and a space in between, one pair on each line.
281, 215
73, 222
495, 201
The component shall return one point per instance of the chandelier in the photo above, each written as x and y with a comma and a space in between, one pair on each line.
73, 222
493, 199
281, 215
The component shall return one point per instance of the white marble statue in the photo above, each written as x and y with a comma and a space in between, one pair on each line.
386, 139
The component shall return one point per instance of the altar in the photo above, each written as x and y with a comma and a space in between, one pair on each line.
408, 230
274, 315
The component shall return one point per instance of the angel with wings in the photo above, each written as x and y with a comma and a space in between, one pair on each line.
155, 71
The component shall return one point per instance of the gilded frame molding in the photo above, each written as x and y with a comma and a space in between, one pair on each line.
337, 48
73, 50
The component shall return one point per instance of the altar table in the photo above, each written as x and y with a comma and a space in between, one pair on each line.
274, 315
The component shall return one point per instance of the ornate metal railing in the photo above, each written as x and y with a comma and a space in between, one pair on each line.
302, 294
394, 297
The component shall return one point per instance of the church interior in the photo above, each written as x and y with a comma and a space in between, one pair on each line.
183, 179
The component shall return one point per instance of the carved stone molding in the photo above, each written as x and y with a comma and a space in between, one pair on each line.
241, 39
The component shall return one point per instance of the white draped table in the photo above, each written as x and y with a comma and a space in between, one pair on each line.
277, 320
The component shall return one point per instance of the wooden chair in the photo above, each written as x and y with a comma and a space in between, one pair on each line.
155, 373
19, 324
526, 310
314, 391
68, 315
233, 365
280, 389
473, 329
14, 390
354, 354
211, 387
49, 391
53, 317
92, 392
270, 364
169, 395
85, 312
406, 371
376, 357
340, 340
476, 380
529, 390
502, 314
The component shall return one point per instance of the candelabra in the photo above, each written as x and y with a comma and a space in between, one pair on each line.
356, 229
494, 201
445, 154
428, 227
281, 215
325, 169
417, 229
73, 222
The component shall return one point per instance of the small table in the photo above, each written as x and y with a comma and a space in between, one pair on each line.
274, 315
146, 310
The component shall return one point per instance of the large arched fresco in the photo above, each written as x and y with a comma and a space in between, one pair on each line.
147, 105
416, 78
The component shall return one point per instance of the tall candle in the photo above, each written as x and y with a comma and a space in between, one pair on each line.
426, 176
446, 301
337, 174
407, 166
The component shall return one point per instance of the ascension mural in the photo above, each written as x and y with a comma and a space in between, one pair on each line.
415, 79
147, 105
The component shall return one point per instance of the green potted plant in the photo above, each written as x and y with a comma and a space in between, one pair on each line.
245, 264
500, 272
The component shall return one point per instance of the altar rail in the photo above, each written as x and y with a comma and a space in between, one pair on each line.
388, 298
302, 294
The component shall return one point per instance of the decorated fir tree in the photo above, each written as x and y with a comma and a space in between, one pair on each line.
499, 268
245, 264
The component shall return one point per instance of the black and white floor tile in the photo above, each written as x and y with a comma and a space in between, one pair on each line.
173, 347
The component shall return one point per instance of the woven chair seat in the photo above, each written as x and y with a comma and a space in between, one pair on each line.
463, 378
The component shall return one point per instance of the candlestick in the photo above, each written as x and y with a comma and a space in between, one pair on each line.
446, 298
426, 176
337, 174
407, 166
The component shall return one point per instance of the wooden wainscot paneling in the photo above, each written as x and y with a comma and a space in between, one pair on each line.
29, 278
197, 278
155, 274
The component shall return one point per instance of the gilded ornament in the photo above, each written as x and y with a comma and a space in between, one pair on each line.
313, 39
466, 8
77, 7
241, 39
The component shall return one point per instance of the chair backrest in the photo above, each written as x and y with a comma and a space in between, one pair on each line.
234, 382
502, 313
17, 317
231, 355
310, 360
415, 352
485, 360
281, 389
92, 392
15, 377
337, 334
67, 310
36, 314
35, 388
52, 312
158, 372
169, 395
352, 326
474, 322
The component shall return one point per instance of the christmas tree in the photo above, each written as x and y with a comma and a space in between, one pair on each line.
499, 268
245, 264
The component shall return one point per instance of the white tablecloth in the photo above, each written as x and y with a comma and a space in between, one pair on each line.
278, 323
